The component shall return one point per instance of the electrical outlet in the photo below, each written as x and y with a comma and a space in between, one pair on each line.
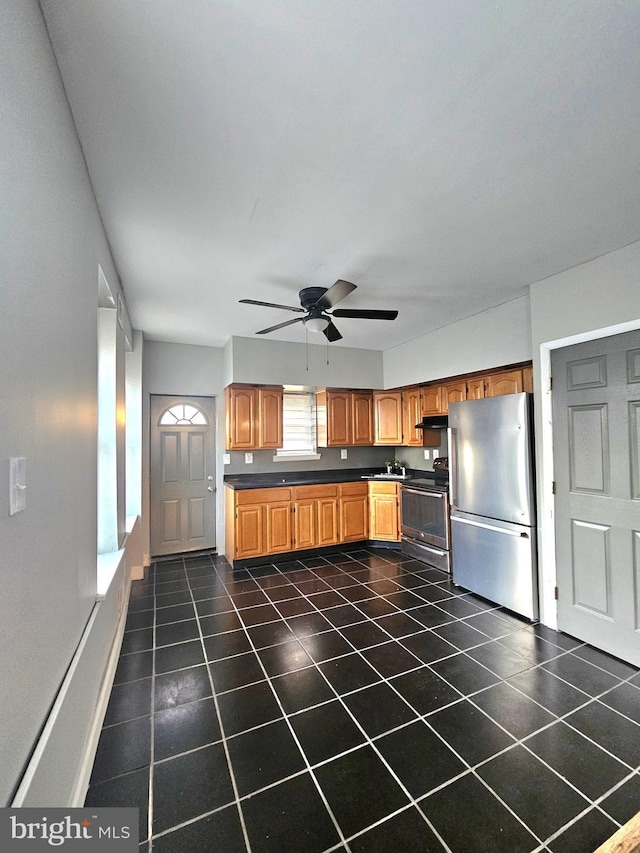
248, 458
226, 459
426, 454
343, 454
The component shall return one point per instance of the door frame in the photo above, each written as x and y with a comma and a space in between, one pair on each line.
547, 563
214, 399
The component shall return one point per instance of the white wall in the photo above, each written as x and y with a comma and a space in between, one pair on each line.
497, 336
595, 299
53, 243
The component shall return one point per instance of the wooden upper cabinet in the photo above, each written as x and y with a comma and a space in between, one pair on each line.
241, 422
453, 392
412, 414
270, 417
527, 379
253, 417
431, 400
362, 418
475, 388
344, 417
387, 417
505, 382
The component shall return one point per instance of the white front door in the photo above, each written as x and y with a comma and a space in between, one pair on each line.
182, 474
596, 438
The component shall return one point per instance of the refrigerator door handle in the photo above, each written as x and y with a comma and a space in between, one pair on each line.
519, 533
453, 465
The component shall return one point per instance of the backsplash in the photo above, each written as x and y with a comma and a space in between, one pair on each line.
357, 457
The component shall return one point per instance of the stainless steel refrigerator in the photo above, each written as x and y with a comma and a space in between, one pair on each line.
492, 492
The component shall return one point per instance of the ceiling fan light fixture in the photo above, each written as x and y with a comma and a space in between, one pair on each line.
317, 324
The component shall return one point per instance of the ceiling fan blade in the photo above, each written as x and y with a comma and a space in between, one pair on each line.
271, 305
280, 326
335, 293
365, 314
331, 333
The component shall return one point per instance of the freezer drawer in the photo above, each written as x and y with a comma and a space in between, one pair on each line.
497, 560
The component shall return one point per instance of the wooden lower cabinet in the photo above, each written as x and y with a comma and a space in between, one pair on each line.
258, 522
353, 511
384, 511
315, 513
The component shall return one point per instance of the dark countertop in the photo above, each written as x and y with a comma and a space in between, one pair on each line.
311, 478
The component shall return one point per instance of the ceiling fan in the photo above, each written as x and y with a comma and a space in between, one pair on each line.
316, 302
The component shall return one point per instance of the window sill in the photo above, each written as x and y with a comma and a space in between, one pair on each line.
107, 565
297, 457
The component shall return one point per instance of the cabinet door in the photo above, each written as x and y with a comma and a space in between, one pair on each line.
354, 518
278, 527
338, 418
453, 392
362, 418
270, 417
384, 511
527, 379
412, 414
304, 523
327, 522
383, 518
241, 418
431, 400
507, 382
387, 415
475, 388
249, 532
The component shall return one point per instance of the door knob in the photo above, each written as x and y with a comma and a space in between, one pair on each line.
210, 489
210, 477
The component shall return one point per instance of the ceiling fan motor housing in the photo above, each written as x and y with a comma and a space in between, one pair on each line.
309, 296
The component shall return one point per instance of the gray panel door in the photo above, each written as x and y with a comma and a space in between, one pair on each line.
182, 474
596, 434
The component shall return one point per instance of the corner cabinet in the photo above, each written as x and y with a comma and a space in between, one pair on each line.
253, 417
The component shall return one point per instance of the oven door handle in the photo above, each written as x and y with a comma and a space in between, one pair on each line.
422, 492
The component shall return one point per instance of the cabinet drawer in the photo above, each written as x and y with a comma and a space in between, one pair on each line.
357, 489
260, 496
386, 487
319, 491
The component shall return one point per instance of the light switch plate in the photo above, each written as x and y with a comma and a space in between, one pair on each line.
226, 459
343, 454
17, 484
426, 454
248, 458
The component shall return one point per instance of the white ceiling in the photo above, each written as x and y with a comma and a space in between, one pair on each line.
440, 154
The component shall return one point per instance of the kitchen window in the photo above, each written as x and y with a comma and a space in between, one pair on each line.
298, 425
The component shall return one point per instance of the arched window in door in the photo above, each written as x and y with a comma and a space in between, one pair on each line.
183, 414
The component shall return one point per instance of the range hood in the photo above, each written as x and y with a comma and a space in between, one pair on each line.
433, 422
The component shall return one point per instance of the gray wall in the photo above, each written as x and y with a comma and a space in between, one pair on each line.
498, 336
264, 361
592, 300
53, 242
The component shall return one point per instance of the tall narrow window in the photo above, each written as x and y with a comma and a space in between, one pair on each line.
298, 423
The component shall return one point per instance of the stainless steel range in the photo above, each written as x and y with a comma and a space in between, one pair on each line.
424, 513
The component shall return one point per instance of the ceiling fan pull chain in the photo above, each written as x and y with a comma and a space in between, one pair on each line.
327, 350
306, 337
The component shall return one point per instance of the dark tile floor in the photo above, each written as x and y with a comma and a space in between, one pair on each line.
359, 702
